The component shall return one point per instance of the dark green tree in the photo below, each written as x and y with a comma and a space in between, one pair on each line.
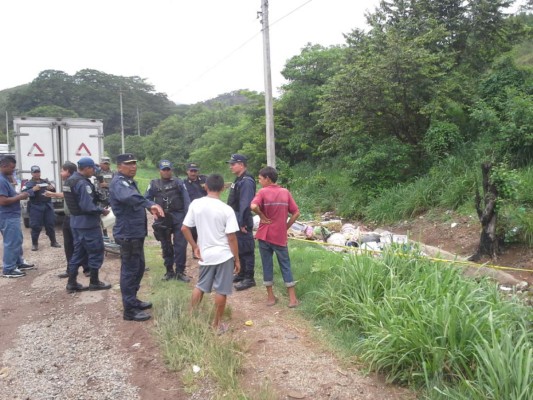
298, 131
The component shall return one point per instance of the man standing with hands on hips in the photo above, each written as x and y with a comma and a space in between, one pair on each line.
241, 195
130, 229
171, 194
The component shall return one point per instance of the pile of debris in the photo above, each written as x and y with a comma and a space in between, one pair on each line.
340, 236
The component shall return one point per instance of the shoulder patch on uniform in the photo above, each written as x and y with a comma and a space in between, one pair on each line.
89, 189
125, 183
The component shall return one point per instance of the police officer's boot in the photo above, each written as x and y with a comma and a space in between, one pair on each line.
53, 241
95, 283
72, 285
246, 283
170, 274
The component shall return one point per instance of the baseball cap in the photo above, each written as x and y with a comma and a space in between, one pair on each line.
35, 168
105, 160
165, 164
193, 166
235, 158
126, 158
86, 162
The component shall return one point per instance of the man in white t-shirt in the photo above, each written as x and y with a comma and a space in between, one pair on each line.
217, 248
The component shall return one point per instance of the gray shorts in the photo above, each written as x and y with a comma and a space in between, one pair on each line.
218, 277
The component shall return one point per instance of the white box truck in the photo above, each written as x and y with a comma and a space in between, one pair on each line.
48, 143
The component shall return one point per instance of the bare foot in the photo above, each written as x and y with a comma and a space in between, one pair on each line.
294, 305
272, 301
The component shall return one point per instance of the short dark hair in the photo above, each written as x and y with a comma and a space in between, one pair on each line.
269, 172
6, 160
70, 167
215, 183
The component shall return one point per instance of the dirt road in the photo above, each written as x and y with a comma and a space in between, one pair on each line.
76, 346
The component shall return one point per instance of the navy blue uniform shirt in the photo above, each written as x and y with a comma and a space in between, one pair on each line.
84, 192
129, 207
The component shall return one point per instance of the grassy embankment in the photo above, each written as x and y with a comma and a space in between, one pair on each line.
421, 323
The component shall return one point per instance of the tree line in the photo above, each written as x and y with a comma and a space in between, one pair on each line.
426, 80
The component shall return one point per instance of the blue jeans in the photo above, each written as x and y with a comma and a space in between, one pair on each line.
12, 234
267, 251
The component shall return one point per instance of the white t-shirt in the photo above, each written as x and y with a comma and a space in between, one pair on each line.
213, 220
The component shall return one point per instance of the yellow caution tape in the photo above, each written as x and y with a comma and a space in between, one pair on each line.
469, 263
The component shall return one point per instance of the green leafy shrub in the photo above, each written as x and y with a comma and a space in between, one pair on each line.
441, 139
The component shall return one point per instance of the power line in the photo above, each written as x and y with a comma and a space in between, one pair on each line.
229, 55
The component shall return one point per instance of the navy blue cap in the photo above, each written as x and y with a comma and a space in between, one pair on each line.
235, 158
85, 162
35, 168
193, 166
125, 158
165, 164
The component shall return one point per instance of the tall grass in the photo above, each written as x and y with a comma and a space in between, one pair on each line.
145, 173
187, 339
422, 323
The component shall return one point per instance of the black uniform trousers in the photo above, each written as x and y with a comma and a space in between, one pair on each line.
131, 270
42, 214
246, 254
68, 242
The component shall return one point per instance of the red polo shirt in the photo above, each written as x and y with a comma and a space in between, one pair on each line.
276, 203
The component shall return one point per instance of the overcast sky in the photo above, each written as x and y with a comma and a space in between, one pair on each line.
188, 49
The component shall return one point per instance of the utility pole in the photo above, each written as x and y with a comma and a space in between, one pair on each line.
7, 132
269, 109
122, 122
138, 123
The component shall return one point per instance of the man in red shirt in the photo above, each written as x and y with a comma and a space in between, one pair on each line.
273, 204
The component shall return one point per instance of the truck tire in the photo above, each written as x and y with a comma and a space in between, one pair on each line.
26, 222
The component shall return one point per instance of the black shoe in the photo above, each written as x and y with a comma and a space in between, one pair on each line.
95, 283
144, 305
25, 267
16, 273
182, 277
34, 247
99, 286
78, 287
62, 275
245, 284
237, 278
168, 276
55, 244
135, 314
26, 264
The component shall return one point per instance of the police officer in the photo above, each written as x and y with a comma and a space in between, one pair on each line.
195, 184
130, 229
104, 175
81, 198
67, 170
240, 197
40, 208
171, 194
